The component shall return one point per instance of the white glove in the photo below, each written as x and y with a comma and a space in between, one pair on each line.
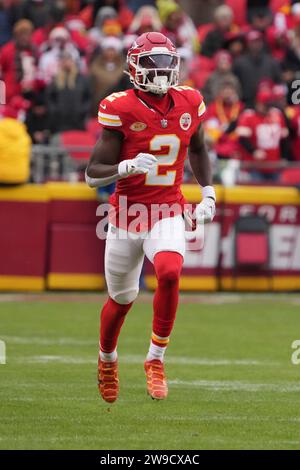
139, 165
206, 210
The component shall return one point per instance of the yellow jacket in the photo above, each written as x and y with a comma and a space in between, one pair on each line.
15, 151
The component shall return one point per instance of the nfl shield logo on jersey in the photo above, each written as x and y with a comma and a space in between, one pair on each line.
185, 121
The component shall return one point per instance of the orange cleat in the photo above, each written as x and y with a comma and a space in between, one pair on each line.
156, 380
108, 380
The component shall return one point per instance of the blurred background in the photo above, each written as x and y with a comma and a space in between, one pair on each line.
59, 58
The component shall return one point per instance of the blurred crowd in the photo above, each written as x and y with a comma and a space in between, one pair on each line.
59, 58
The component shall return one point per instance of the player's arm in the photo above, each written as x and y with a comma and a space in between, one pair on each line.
199, 158
103, 165
104, 169
201, 167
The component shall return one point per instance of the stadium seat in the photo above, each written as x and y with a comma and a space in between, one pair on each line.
252, 242
291, 177
83, 140
252, 248
240, 11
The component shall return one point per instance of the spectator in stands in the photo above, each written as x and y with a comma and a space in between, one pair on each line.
15, 148
146, 20
235, 44
177, 25
257, 8
59, 42
224, 24
96, 34
254, 66
261, 19
185, 72
57, 18
263, 137
8, 16
223, 72
68, 97
135, 5
125, 15
221, 120
18, 62
286, 18
36, 11
37, 121
107, 70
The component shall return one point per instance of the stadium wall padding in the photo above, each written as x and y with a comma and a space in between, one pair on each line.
48, 240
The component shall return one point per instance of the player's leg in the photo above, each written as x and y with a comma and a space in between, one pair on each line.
165, 248
123, 264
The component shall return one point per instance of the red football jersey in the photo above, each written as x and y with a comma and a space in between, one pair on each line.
165, 133
264, 131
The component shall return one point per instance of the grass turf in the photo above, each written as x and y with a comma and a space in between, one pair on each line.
232, 384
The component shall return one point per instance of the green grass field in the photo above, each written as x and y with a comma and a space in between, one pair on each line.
231, 381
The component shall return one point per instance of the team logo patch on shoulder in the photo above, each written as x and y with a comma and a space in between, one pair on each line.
185, 121
138, 126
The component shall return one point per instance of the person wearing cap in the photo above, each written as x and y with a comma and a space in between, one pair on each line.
177, 25
68, 96
18, 61
223, 72
263, 137
216, 38
106, 70
254, 66
59, 42
145, 20
221, 120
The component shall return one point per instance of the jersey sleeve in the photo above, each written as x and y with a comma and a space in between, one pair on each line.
197, 103
110, 115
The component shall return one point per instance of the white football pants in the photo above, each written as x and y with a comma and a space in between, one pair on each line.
125, 252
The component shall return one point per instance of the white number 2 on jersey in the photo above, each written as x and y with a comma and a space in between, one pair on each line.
157, 143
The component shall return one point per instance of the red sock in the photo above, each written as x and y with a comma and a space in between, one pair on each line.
112, 319
167, 267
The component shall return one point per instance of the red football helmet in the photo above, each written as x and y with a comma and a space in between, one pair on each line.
153, 63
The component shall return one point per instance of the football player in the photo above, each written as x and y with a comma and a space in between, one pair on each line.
146, 135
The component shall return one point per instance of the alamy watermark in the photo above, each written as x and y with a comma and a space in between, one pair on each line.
2, 92
153, 221
2, 352
296, 354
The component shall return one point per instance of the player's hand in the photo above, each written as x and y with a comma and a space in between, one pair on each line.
139, 165
206, 210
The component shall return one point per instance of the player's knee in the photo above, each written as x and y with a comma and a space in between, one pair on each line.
168, 267
169, 275
125, 298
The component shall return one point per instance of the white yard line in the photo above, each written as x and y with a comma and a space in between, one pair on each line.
136, 359
234, 386
40, 341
